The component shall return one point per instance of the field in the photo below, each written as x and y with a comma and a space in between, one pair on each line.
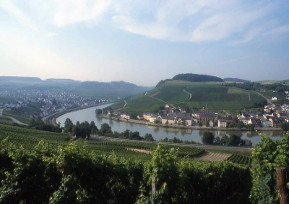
195, 95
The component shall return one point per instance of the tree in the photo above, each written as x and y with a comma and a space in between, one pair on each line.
224, 140
105, 129
98, 111
76, 130
208, 138
133, 116
93, 127
68, 125
134, 136
85, 129
285, 126
234, 140
149, 137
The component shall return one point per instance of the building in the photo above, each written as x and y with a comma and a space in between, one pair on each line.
125, 116
222, 123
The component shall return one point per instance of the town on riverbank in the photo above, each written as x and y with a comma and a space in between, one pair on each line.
272, 117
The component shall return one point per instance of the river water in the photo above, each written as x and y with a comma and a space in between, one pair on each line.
158, 132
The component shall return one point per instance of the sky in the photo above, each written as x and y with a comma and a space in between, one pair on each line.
144, 41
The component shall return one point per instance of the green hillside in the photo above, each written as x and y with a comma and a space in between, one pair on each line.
196, 95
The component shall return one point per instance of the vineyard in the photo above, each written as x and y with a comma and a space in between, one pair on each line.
72, 174
54, 168
28, 138
240, 159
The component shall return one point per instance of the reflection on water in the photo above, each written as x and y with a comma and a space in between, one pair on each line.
159, 132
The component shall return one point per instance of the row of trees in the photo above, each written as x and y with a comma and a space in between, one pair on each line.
85, 129
232, 140
80, 130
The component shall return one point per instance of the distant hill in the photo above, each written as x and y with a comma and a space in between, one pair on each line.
105, 90
236, 80
195, 95
15, 79
68, 81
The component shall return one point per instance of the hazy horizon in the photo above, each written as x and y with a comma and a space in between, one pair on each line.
144, 42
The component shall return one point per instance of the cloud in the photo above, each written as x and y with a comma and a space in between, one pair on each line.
12, 9
172, 20
66, 12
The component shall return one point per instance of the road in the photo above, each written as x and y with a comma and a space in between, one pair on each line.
14, 120
268, 100
200, 146
190, 95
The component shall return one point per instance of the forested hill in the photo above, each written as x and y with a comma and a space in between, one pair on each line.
193, 78
197, 78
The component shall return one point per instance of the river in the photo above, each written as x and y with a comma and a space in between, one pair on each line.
158, 132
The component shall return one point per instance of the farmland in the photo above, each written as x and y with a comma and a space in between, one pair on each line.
28, 138
195, 95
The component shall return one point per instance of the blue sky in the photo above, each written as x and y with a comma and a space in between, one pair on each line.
144, 41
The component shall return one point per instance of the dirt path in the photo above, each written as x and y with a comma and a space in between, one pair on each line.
190, 95
14, 120
155, 94
215, 157
140, 150
125, 104
267, 99
249, 96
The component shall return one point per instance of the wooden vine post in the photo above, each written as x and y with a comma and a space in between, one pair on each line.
281, 184
154, 185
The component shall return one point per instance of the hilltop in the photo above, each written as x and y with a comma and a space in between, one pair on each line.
193, 78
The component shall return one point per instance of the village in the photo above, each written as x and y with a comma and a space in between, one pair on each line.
271, 117
41, 103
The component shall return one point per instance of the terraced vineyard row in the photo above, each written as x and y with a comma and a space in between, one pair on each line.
182, 151
240, 159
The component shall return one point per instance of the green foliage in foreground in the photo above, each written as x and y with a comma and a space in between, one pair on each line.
75, 175
266, 157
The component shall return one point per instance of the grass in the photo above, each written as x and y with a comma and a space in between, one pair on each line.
213, 95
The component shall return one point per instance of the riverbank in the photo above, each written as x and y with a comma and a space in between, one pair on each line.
51, 119
185, 127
